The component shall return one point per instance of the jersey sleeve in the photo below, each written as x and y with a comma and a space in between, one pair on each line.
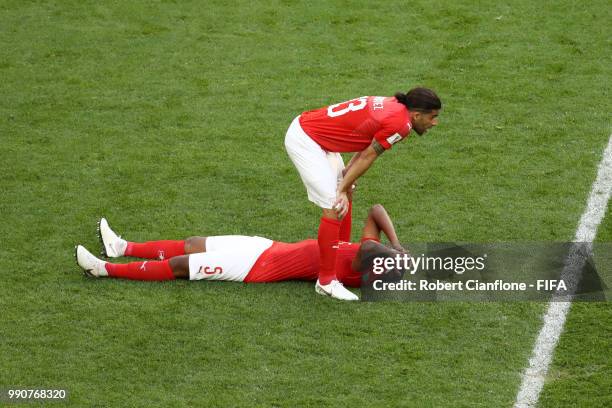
394, 129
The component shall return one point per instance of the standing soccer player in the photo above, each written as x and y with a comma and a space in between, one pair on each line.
368, 126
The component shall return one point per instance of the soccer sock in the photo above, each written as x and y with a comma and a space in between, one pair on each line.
345, 225
329, 232
147, 270
155, 249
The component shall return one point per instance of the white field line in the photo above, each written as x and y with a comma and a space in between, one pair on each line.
554, 319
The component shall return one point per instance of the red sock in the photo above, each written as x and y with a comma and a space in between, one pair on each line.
345, 226
147, 270
329, 232
155, 249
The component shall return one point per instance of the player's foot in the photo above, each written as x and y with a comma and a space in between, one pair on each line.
91, 265
112, 244
336, 290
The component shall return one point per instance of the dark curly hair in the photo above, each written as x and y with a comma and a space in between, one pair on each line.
420, 99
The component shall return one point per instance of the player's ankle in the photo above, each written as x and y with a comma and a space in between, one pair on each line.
326, 280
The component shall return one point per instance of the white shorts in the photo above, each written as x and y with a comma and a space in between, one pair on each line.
227, 257
320, 170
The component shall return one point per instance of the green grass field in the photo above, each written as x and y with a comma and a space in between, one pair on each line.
168, 118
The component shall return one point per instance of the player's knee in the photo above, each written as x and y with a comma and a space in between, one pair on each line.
329, 213
180, 266
194, 245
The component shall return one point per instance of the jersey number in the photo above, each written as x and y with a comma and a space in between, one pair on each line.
208, 270
341, 108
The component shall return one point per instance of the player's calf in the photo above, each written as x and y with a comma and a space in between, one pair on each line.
143, 270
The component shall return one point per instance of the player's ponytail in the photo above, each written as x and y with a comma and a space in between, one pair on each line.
420, 99
401, 98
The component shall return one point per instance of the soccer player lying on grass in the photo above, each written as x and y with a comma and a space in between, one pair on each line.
240, 258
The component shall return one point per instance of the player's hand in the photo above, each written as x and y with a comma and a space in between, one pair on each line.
398, 247
341, 205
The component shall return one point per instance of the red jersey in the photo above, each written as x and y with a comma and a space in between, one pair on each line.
350, 126
300, 261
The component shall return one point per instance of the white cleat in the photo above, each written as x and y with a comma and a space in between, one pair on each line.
112, 244
91, 265
336, 290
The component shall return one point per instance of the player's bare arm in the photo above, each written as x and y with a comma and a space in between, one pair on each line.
355, 156
378, 220
360, 165
352, 188
348, 166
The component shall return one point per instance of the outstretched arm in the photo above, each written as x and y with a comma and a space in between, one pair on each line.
378, 220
